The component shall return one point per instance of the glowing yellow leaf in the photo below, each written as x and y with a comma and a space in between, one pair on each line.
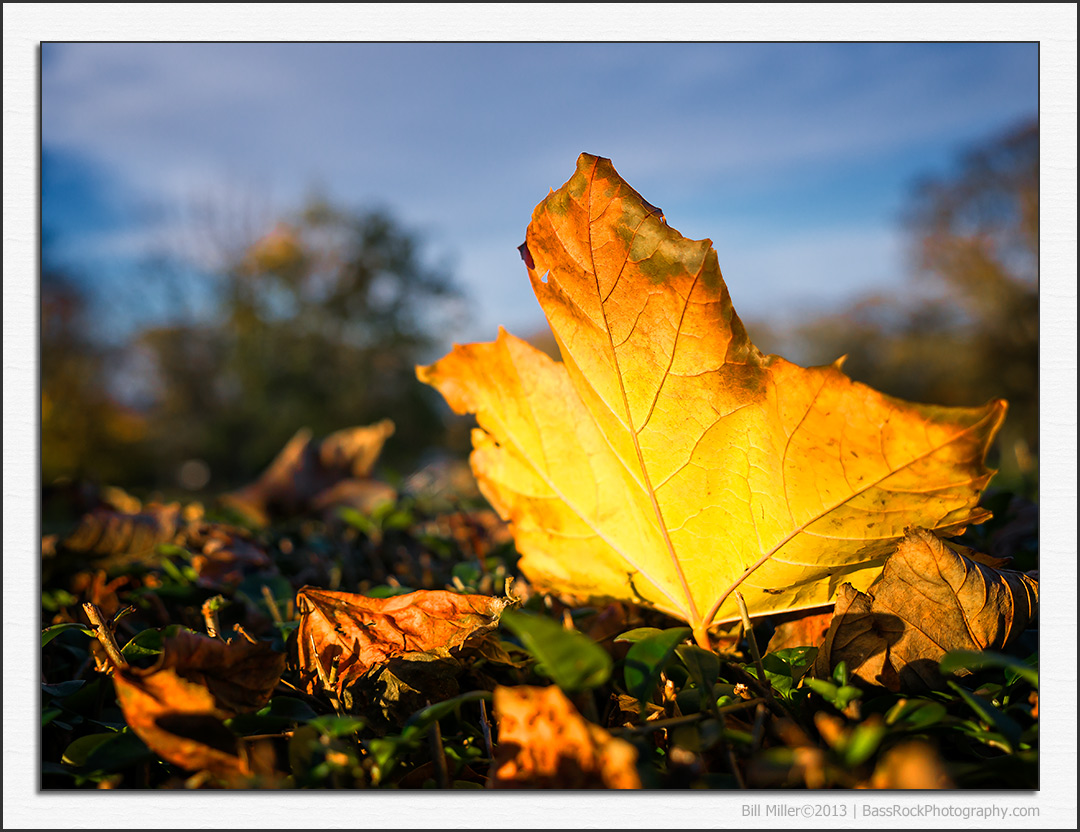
666, 460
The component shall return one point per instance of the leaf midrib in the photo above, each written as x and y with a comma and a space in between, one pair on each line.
695, 617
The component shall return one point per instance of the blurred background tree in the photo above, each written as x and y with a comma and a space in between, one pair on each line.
85, 431
318, 320
969, 329
319, 324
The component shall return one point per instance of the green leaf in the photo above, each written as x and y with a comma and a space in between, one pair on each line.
826, 690
915, 714
646, 659
637, 634
974, 660
62, 689
49, 633
172, 550
702, 665
358, 521
1005, 725
282, 712
863, 742
845, 695
150, 642
569, 658
784, 668
337, 726
78, 752
145, 643
123, 750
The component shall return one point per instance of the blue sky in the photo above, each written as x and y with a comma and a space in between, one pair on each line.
794, 158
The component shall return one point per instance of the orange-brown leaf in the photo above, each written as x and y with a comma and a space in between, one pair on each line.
805, 631
353, 633
929, 599
665, 460
543, 742
178, 706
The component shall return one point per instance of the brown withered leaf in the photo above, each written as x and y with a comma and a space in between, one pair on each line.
106, 531
349, 633
309, 475
543, 742
224, 556
930, 598
177, 707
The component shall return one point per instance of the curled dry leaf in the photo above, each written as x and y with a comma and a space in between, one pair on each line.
309, 475
177, 707
543, 742
347, 634
930, 598
667, 461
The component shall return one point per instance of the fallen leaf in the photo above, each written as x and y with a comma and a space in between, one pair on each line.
107, 531
543, 742
665, 460
177, 707
348, 634
224, 557
930, 599
910, 765
804, 631
309, 475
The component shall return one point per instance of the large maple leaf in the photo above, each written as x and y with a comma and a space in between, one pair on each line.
666, 460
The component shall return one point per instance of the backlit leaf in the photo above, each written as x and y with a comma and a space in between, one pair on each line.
667, 461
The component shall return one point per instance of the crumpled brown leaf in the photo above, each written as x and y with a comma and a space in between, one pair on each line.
544, 742
309, 475
177, 707
930, 598
349, 633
